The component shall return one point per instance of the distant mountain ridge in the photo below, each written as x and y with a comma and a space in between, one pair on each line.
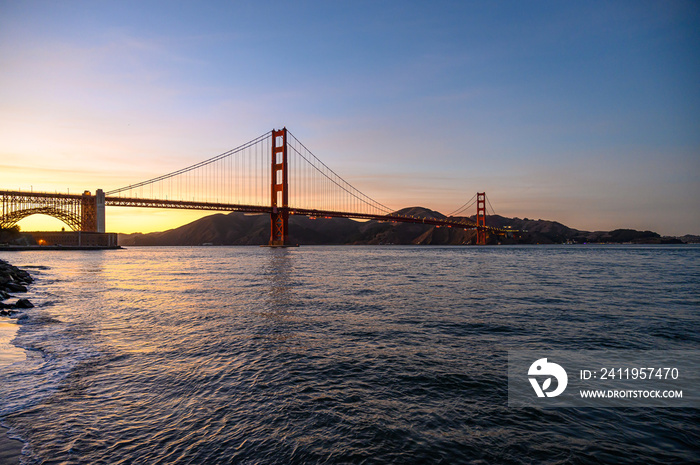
244, 229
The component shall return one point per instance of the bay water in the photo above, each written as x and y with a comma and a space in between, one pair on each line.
197, 355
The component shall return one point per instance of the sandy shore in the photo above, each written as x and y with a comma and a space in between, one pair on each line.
10, 449
9, 354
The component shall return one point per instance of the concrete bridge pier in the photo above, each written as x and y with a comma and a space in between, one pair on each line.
92, 212
100, 210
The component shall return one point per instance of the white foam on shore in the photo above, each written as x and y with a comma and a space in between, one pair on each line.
9, 354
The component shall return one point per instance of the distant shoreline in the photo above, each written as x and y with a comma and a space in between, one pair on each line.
238, 229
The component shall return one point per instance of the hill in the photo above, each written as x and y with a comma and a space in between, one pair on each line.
244, 229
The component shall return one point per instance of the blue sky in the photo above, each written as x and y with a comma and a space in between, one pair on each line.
587, 113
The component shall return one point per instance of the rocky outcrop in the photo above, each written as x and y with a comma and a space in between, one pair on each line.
24, 303
13, 280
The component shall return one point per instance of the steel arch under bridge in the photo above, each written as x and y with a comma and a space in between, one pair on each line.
81, 212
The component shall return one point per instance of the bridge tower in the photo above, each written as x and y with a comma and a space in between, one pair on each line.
279, 215
480, 218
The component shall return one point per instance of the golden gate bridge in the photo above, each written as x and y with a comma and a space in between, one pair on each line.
273, 174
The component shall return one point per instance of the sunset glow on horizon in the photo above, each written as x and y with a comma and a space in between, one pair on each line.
585, 114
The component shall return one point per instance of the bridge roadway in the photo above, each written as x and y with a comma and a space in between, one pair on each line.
453, 222
178, 204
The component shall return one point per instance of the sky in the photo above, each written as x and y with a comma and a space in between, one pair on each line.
585, 113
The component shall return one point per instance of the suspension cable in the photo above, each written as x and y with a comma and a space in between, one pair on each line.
354, 192
192, 167
468, 204
493, 212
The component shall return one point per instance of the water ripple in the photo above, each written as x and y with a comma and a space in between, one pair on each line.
339, 354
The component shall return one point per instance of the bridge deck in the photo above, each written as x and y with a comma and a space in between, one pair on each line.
454, 222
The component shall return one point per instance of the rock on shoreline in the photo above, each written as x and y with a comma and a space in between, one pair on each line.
13, 280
